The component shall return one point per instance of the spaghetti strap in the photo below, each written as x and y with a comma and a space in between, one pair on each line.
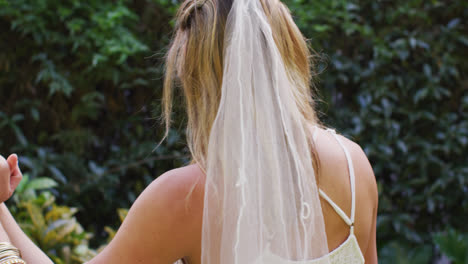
336, 208
349, 220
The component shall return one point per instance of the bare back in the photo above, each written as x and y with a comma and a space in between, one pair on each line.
334, 180
165, 222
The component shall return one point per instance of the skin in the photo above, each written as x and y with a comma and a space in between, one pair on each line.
10, 176
163, 226
5, 190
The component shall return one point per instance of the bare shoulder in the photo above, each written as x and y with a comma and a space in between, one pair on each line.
178, 184
179, 192
367, 197
163, 224
334, 180
363, 169
330, 153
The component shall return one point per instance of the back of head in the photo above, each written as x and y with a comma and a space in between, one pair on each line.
194, 63
244, 70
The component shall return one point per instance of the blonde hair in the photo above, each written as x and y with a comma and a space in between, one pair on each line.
194, 62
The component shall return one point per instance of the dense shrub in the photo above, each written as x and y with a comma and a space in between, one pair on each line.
52, 227
79, 97
396, 83
80, 91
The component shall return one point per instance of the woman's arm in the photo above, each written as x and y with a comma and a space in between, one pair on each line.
3, 235
10, 176
369, 186
29, 251
161, 227
371, 252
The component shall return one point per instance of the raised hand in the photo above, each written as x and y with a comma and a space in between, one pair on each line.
10, 176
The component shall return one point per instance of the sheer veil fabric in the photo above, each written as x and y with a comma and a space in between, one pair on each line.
261, 194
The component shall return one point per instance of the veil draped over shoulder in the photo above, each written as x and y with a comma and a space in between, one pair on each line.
261, 195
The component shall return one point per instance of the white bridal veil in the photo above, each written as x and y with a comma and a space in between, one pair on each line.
261, 196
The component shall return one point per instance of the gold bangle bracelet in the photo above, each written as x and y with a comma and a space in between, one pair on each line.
3, 249
9, 254
13, 261
4, 246
15, 250
8, 258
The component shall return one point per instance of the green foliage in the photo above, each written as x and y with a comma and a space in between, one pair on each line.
454, 245
401, 253
79, 99
80, 90
122, 213
7, 122
396, 82
53, 228
26, 190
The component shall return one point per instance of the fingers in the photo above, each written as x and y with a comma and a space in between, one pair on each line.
12, 161
5, 174
15, 179
15, 173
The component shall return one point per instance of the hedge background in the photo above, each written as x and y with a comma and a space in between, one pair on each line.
81, 86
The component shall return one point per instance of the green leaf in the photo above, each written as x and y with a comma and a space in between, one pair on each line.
58, 175
35, 114
41, 184
453, 244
